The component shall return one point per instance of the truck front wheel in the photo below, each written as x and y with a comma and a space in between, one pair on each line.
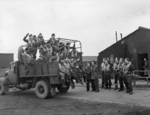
42, 89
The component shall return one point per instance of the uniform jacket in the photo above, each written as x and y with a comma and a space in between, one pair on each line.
94, 72
88, 73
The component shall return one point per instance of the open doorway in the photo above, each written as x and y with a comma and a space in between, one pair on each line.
141, 62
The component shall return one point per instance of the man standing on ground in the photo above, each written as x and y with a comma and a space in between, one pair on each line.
120, 74
107, 74
94, 72
93, 76
102, 70
116, 72
88, 76
128, 76
145, 67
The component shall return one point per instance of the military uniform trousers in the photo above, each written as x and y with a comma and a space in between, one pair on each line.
103, 79
108, 79
116, 75
128, 82
121, 80
89, 82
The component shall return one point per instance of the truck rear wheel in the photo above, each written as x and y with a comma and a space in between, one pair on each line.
63, 89
42, 89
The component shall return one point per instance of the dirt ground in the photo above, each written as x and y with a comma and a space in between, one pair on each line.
26, 103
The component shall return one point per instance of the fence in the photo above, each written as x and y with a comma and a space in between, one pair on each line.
141, 74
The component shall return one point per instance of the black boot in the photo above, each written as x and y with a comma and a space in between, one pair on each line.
130, 91
106, 87
127, 91
109, 87
116, 87
121, 89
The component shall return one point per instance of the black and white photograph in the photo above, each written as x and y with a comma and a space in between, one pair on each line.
74, 57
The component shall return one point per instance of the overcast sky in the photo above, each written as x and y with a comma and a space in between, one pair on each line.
93, 22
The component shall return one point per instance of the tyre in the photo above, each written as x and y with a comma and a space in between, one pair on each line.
63, 89
42, 89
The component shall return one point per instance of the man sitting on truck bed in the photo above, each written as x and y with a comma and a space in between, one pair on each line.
50, 51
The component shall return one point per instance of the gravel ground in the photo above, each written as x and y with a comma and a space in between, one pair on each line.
26, 103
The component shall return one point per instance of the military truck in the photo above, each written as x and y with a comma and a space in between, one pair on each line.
42, 76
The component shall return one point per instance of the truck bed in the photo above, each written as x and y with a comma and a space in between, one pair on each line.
39, 68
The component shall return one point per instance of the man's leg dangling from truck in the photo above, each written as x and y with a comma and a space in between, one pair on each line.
72, 79
62, 75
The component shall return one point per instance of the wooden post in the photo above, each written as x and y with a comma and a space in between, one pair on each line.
116, 36
121, 35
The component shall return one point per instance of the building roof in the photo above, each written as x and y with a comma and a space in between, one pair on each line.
89, 58
6, 54
126, 37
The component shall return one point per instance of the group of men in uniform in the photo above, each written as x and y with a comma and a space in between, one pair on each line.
122, 70
53, 50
